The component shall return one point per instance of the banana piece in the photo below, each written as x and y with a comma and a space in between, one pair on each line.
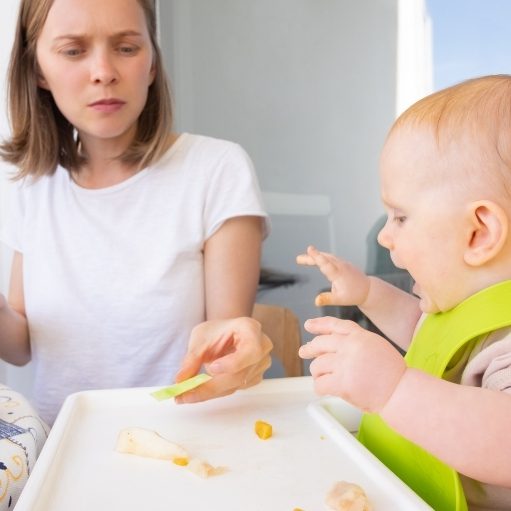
344, 496
148, 443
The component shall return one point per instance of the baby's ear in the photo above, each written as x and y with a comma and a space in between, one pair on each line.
489, 226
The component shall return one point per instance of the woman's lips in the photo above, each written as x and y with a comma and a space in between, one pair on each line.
107, 105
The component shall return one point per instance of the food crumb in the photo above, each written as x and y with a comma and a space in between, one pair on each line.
344, 496
263, 430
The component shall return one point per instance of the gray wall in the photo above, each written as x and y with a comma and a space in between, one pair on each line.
308, 87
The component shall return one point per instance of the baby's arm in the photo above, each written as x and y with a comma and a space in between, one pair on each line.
466, 427
14, 336
392, 310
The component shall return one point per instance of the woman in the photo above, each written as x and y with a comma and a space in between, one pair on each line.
125, 234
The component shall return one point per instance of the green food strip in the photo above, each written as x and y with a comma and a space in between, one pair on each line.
180, 388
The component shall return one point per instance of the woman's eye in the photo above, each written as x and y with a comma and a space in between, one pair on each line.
72, 52
127, 50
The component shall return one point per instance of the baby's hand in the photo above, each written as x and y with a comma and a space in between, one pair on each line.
350, 286
352, 363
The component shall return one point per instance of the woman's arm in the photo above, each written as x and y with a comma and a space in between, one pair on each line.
231, 267
14, 336
234, 351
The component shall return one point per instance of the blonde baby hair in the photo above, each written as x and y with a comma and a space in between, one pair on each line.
477, 113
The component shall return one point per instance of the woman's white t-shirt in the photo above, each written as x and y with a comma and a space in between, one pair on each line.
113, 277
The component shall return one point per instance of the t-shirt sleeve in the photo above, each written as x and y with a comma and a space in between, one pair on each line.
491, 366
233, 191
11, 231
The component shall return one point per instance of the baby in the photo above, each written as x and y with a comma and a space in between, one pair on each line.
440, 417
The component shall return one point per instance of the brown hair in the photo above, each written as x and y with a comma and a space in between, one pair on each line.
42, 138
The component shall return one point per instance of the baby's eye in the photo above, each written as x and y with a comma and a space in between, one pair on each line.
399, 219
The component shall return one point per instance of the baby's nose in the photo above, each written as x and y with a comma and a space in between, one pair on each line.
384, 238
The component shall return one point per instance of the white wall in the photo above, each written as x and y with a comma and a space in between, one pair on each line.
309, 89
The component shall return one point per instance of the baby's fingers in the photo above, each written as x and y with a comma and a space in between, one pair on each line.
319, 346
329, 325
311, 257
326, 298
305, 259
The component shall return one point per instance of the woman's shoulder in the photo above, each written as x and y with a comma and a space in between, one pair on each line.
205, 153
207, 145
35, 183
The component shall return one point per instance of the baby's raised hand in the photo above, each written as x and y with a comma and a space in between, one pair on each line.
352, 363
350, 286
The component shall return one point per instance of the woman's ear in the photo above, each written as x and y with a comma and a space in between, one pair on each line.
42, 83
41, 80
489, 225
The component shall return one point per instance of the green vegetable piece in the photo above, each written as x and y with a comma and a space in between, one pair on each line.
180, 388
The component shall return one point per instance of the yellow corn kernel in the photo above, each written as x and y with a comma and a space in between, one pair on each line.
263, 430
182, 462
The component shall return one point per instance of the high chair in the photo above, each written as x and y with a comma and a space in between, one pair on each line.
281, 325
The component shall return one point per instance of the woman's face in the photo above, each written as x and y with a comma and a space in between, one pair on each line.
96, 59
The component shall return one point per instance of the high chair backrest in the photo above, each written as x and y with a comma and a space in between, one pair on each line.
281, 325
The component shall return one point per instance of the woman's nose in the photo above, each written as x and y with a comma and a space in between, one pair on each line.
103, 68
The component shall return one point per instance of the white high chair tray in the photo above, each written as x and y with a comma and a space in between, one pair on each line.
309, 451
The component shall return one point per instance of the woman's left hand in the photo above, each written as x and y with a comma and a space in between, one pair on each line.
235, 352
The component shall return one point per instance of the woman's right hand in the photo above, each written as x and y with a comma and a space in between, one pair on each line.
350, 286
235, 352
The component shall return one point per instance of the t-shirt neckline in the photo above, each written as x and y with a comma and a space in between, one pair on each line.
128, 181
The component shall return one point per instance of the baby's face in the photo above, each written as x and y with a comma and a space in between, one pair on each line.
424, 231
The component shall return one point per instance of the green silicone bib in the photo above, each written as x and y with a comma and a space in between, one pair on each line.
438, 340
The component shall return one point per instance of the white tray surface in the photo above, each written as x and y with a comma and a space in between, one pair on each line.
80, 470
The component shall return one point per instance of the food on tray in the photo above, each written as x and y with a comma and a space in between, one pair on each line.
181, 387
344, 496
182, 462
204, 469
150, 444
263, 430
